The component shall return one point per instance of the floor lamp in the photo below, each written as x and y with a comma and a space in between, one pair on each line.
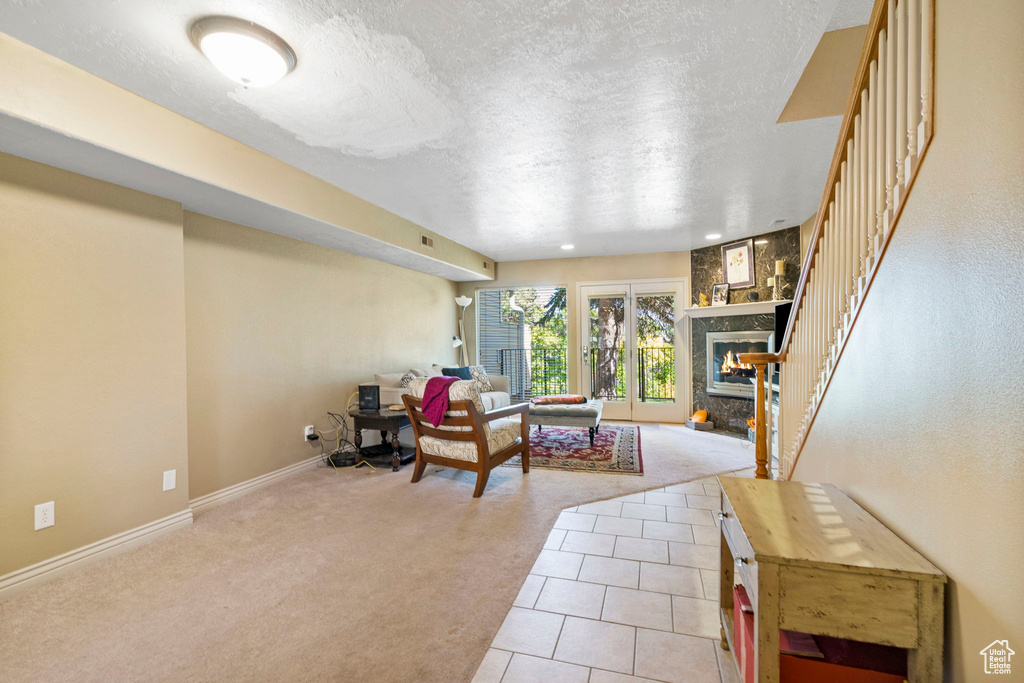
463, 302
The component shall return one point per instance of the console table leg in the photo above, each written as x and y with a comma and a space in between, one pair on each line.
766, 624
383, 436
359, 439
396, 451
924, 665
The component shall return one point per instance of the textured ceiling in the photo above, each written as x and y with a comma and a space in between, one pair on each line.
510, 127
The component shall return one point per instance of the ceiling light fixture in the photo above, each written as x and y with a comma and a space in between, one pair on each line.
712, 236
761, 242
245, 52
567, 247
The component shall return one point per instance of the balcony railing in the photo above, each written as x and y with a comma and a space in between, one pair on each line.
534, 372
655, 374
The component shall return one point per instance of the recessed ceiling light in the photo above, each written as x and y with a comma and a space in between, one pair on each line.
712, 236
245, 52
568, 246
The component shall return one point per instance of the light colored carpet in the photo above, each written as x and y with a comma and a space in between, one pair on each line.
329, 575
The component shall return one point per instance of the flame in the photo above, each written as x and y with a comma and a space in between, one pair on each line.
732, 363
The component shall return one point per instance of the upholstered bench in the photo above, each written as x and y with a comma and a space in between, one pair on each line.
574, 415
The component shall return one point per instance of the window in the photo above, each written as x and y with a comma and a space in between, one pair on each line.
521, 333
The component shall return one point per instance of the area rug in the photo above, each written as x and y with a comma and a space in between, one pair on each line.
616, 450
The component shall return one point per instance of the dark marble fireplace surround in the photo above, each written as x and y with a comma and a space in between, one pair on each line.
731, 413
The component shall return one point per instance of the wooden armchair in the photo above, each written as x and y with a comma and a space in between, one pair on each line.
469, 438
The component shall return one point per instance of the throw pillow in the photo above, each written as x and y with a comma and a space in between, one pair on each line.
390, 380
406, 378
416, 372
435, 371
461, 373
483, 382
559, 400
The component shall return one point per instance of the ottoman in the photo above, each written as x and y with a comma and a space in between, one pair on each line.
576, 415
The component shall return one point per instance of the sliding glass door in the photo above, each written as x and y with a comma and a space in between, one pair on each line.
629, 359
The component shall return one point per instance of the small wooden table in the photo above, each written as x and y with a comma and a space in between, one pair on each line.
814, 561
387, 421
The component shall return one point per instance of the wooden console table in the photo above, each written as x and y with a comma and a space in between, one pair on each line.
814, 561
387, 421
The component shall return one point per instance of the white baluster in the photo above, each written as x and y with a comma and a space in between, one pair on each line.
927, 14
858, 208
913, 79
870, 109
880, 133
901, 99
890, 119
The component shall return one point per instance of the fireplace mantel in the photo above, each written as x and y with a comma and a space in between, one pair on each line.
752, 308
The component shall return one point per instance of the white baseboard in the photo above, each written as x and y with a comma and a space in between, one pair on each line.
112, 545
226, 494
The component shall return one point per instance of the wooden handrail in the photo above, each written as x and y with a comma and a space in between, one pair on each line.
887, 129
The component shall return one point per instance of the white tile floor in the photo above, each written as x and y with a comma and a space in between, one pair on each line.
623, 590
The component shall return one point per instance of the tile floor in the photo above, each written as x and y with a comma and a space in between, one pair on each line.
623, 590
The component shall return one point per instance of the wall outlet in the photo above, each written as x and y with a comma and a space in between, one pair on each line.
309, 433
170, 479
44, 515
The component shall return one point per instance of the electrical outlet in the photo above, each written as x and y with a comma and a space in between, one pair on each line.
310, 433
170, 480
44, 515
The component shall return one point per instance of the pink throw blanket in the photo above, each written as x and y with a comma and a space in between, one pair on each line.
435, 398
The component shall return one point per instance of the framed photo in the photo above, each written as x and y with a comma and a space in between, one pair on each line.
720, 295
738, 264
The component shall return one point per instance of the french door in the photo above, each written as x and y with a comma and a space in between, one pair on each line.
634, 349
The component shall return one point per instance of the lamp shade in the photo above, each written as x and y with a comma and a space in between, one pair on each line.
456, 342
463, 301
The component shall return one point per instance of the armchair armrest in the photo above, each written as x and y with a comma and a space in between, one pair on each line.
499, 382
508, 411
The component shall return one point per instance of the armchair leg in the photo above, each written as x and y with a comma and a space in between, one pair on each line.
417, 472
525, 436
481, 482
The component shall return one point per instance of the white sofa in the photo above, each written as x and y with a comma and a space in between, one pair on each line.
391, 390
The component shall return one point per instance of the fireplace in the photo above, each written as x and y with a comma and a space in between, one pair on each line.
726, 375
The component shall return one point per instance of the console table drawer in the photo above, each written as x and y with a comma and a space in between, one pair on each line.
876, 609
742, 553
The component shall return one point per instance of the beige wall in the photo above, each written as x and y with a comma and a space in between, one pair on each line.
824, 86
569, 272
92, 359
280, 331
103, 290
923, 421
806, 231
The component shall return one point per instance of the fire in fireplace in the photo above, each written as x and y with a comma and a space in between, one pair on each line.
727, 376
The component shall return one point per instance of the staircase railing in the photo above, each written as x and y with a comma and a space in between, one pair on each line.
885, 133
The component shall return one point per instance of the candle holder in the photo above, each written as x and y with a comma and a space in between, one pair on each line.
777, 282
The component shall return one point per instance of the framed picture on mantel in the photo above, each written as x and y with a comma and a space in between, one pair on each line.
738, 264
720, 295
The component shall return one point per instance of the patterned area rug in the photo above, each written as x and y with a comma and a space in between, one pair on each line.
616, 450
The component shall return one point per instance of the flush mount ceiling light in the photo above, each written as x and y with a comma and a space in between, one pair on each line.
712, 236
568, 246
245, 52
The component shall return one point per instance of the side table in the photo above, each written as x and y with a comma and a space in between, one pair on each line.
387, 421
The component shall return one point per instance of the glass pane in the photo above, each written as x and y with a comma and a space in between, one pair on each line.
655, 348
608, 348
522, 335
